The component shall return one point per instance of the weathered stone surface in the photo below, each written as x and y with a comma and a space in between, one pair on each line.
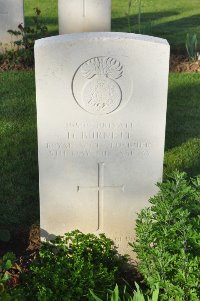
11, 15
84, 16
101, 105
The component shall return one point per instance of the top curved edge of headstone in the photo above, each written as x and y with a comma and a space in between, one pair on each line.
99, 36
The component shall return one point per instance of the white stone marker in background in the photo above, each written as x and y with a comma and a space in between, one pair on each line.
101, 105
84, 16
11, 15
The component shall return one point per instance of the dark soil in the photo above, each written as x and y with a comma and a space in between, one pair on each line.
6, 65
22, 240
178, 63
25, 246
182, 64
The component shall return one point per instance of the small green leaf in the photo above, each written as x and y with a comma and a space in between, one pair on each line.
8, 264
115, 294
95, 297
1, 288
6, 277
155, 294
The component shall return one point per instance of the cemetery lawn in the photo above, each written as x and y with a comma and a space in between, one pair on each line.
18, 140
18, 150
182, 147
167, 19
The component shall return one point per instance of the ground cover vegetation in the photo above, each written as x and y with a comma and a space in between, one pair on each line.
137, 295
82, 262
167, 234
77, 266
167, 243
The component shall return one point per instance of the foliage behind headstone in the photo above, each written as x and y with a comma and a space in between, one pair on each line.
24, 52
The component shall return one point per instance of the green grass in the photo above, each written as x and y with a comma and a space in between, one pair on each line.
18, 149
182, 149
169, 19
18, 140
49, 13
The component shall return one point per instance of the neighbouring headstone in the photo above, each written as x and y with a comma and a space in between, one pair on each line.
101, 110
11, 15
84, 16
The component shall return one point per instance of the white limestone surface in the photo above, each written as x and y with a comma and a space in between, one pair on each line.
101, 111
11, 15
84, 16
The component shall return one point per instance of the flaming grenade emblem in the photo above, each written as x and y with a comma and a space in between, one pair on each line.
101, 93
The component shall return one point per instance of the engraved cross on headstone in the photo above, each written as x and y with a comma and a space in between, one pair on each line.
100, 189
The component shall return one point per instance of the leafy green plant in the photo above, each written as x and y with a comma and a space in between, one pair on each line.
7, 280
23, 53
191, 46
72, 264
137, 295
168, 239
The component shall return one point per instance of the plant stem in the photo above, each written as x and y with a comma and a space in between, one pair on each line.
139, 15
129, 15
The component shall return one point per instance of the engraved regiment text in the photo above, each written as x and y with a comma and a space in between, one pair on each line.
98, 139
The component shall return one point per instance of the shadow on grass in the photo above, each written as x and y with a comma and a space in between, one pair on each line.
19, 206
182, 143
121, 24
174, 31
183, 122
185, 157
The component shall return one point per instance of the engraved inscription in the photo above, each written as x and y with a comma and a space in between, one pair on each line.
101, 94
100, 189
101, 140
122, 240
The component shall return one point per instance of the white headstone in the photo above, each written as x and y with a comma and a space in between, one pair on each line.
11, 15
101, 105
84, 16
